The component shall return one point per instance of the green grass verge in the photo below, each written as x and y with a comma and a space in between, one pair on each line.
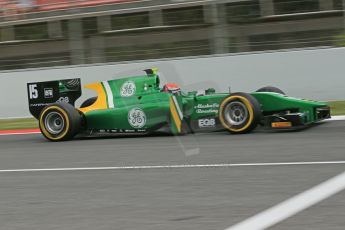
24, 123
337, 108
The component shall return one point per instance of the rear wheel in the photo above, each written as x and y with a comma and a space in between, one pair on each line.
240, 113
60, 122
271, 89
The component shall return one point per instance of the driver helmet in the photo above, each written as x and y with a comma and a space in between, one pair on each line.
171, 88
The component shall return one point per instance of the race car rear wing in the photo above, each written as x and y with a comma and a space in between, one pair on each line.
40, 94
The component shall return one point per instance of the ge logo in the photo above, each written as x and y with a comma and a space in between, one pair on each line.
63, 99
127, 89
136, 118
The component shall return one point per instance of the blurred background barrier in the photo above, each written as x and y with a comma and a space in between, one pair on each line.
42, 33
69, 35
313, 74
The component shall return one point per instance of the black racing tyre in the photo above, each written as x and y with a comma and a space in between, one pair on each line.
60, 122
88, 102
240, 113
271, 89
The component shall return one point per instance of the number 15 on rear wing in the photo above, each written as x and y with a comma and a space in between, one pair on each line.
41, 94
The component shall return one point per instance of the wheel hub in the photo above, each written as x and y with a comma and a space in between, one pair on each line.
236, 113
54, 122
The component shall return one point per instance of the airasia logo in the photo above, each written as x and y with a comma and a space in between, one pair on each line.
207, 123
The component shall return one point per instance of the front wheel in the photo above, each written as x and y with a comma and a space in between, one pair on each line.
271, 89
60, 122
240, 113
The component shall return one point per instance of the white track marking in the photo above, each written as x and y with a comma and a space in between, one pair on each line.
337, 118
110, 96
173, 166
294, 205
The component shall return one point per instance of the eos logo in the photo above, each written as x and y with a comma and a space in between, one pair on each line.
206, 123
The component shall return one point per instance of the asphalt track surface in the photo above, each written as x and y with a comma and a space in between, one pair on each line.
176, 198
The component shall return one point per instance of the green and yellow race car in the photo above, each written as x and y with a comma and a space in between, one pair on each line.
139, 104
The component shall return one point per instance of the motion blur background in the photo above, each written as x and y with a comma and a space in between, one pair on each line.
45, 33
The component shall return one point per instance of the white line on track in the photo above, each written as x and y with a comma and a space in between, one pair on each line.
337, 118
294, 205
173, 166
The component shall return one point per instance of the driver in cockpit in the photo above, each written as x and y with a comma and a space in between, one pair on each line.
171, 88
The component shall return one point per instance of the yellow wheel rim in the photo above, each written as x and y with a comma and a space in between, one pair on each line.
249, 107
44, 129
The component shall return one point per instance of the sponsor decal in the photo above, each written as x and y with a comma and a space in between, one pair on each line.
38, 105
48, 93
114, 131
206, 108
129, 131
72, 84
128, 89
141, 130
207, 123
136, 118
33, 92
281, 124
63, 99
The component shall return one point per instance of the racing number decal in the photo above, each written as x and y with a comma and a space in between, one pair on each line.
33, 92
128, 89
136, 118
